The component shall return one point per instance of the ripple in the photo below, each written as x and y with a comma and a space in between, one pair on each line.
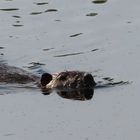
47, 49
92, 14
110, 82
36, 13
74, 35
41, 3
18, 25
94, 50
35, 65
99, 1
69, 54
51, 10
16, 16
1, 47
9, 9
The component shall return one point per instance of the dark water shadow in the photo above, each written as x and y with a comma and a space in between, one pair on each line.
17, 25
77, 53
2, 60
36, 13
9, 9
15, 16
41, 12
91, 14
69, 54
1, 53
51, 10
73, 94
47, 49
99, 1
41, 3
94, 50
1, 48
74, 35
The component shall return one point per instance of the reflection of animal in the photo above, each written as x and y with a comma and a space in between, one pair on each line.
73, 94
80, 94
62, 80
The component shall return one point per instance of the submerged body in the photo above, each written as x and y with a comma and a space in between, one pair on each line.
11, 74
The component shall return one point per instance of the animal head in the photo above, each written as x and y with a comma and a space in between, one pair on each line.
68, 79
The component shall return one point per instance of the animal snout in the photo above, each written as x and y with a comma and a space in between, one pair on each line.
89, 80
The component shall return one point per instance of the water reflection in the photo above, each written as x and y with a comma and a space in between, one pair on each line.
75, 94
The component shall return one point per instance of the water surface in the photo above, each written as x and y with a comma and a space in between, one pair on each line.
68, 35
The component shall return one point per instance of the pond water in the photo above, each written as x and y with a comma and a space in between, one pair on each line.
101, 37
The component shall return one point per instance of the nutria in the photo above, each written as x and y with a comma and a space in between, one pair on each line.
75, 85
67, 80
62, 80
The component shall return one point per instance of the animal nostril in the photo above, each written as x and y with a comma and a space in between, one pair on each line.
89, 81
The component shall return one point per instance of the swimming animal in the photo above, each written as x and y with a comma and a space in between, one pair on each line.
62, 80
68, 80
76, 85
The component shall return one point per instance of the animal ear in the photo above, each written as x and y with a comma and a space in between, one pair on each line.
45, 79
